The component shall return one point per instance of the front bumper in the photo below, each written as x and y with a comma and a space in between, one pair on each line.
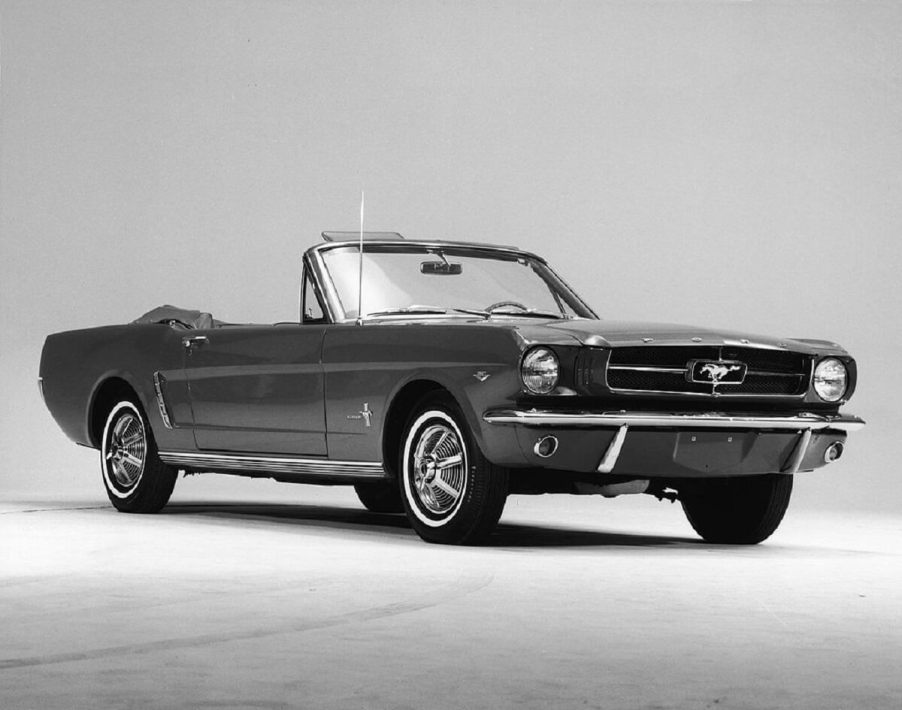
684, 445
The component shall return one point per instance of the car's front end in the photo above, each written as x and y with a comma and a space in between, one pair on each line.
672, 402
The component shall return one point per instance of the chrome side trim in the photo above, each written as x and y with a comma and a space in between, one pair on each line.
712, 420
798, 453
276, 464
609, 460
158, 381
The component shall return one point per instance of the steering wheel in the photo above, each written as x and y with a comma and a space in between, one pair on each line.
513, 304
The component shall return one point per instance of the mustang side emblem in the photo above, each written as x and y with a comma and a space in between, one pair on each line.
366, 414
716, 373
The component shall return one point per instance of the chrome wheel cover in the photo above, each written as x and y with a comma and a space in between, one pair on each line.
438, 468
124, 450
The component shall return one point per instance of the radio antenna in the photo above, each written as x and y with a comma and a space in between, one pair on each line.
360, 269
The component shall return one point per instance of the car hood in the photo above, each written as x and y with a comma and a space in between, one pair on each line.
607, 333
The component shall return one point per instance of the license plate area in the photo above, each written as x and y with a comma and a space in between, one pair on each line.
711, 450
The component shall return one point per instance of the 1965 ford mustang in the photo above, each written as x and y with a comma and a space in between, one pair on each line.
438, 377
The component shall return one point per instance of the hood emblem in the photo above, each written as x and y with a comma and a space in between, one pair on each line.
716, 372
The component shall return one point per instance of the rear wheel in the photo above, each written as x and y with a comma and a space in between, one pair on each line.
452, 494
135, 478
738, 511
380, 497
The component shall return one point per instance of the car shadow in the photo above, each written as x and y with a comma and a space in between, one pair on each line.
506, 535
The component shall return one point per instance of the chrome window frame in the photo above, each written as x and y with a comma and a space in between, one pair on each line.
336, 314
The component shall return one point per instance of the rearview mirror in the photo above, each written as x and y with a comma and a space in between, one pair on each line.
441, 268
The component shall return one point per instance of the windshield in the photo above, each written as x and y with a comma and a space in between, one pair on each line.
408, 279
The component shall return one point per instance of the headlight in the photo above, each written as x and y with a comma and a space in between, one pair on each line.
540, 370
830, 379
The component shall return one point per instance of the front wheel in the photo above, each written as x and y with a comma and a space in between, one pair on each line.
135, 478
452, 494
738, 511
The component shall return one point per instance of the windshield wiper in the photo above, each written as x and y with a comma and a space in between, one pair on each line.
426, 310
436, 310
472, 312
531, 313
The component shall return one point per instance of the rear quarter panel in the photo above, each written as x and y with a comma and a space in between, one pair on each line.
74, 365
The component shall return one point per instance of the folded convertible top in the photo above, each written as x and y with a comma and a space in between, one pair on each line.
173, 315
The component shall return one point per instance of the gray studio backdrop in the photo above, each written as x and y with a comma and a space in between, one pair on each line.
730, 164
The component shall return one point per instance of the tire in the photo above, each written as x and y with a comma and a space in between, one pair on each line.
738, 511
380, 497
460, 502
135, 479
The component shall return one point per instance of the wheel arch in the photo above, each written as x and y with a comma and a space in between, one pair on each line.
107, 393
396, 417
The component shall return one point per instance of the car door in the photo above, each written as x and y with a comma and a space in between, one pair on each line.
257, 389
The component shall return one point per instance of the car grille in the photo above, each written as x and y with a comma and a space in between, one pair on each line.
665, 369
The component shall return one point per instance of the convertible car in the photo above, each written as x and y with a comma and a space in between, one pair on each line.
438, 377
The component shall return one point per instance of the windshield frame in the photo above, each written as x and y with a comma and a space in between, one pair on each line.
314, 257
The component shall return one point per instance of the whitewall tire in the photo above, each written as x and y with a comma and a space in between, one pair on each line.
452, 494
135, 479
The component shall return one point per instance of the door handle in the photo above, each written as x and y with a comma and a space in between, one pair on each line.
194, 340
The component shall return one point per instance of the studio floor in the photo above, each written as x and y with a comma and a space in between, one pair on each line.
272, 596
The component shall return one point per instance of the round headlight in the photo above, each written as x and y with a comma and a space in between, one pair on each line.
830, 379
540, 370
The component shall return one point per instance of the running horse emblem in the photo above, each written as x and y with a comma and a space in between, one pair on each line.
717, 371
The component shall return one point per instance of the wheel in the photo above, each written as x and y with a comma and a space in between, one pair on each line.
380, 497
452, 494
135, 479
738, 511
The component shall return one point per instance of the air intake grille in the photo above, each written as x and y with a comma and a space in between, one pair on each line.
666, 369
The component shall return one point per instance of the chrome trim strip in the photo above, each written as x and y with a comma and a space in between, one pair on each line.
609, 460
709, 395
158, 380
712, 420
276, 464
798, 453
765, 373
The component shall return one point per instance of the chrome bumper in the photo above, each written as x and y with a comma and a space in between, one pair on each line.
804, 424
540, 418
